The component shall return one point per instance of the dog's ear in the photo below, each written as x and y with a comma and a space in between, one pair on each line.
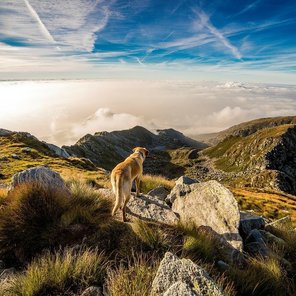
146, 151
134, 149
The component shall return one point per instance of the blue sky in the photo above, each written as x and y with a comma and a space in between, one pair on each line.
182, 39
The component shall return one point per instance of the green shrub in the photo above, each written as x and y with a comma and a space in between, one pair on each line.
61, 273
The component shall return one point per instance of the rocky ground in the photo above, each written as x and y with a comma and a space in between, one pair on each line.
207, 222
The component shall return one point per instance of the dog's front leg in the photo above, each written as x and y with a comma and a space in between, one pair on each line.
138, 185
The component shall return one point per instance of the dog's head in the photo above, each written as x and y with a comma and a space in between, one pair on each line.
143, 151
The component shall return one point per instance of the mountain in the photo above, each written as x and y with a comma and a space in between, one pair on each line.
246, 128
258, 155
106, 149
21, 150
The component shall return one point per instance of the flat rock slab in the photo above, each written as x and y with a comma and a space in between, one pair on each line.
185, 274
150, 208
209, 204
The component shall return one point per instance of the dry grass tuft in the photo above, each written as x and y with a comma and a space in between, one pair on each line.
61, 273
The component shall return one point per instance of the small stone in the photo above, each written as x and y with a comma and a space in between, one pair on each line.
183, 180
223, 266
255, 245
6, 273
160, 192
248, 222
92, 291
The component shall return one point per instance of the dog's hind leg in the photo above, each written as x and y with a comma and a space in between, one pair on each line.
116, 184
126, 199
138, 184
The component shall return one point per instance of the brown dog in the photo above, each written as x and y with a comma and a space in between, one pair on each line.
123, 175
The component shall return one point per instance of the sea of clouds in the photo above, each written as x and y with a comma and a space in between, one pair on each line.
63, 111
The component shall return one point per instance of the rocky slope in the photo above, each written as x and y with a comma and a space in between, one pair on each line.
265, 158
245, 129
20, 150
107, 149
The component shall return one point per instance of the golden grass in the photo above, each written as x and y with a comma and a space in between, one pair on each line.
155, 238
270, 204
150, 182
134, 278
53, 274
262, 276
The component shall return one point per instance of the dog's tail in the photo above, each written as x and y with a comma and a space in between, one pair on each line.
117, 189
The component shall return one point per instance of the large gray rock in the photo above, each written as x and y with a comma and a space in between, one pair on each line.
181, 289
180, 189
42, 176
145, 207
160, 192
209, 204
173, 270
150, 208
248, 222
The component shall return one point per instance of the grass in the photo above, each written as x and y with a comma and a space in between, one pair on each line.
198, 244
62, 273
270, 204
33, 219
154, 238
134, 278
150, 182
262, 276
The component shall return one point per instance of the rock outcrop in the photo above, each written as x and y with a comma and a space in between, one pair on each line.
209, 204
185, 275
152, 209
42, 176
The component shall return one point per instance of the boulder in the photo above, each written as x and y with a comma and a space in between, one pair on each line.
92, 291
42, 176
181, 289
249, 222
183, 180
160, 192
181, 188
255, 245
174, 272
209, 204
150, 208
178, 191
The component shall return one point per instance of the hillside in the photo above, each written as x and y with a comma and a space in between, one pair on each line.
263, 159
107, 149
246, 128
19, 151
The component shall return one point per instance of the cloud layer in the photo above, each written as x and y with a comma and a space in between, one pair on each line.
62, 112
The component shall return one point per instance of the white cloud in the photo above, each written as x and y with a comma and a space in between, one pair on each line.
106, 120
205, 22
63, 111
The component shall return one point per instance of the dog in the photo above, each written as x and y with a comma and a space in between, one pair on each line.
123, 175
